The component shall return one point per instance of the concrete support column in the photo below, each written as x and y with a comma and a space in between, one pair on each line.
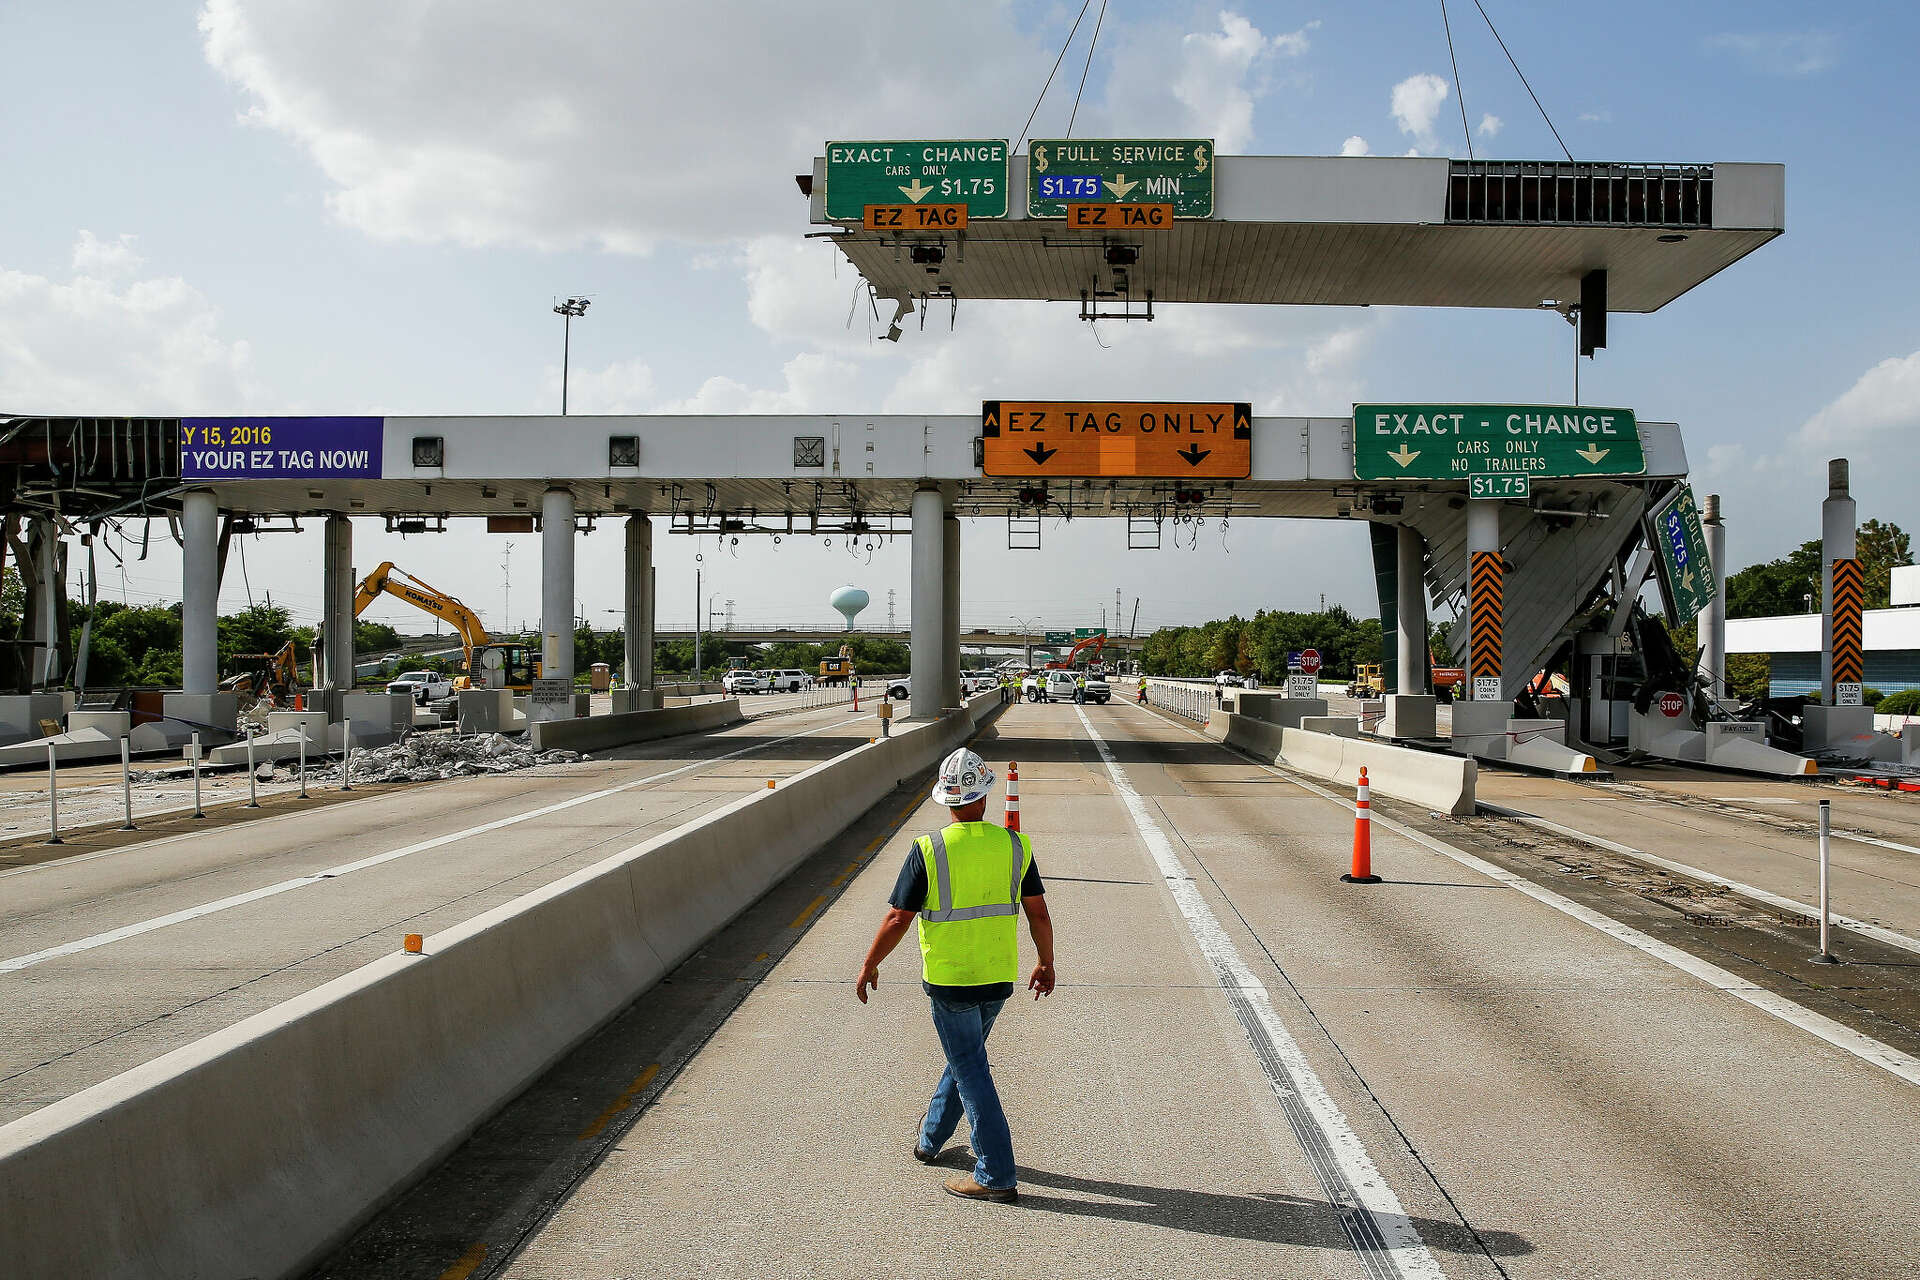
1837, 525
639, 582
1486, 590
950, 609
1713, 619
926, 602
200, 593
336, 603
1411, 624
43, 543
556, 585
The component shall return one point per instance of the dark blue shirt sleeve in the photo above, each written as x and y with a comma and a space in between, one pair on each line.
910, 890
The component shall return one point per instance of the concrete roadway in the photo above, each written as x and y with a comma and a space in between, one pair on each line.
453, 849
1753, 831
1510, 1090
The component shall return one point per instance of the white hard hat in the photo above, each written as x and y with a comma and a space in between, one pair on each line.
964, 778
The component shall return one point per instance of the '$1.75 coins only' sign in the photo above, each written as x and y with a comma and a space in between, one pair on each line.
1144, 440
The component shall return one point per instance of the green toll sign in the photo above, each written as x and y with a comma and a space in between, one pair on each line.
970, 172
1170, 171
1456, 441
1680, 542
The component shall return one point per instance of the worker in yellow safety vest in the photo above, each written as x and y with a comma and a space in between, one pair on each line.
966, 884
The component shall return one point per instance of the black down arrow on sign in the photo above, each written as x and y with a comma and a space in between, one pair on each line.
1039, 453
1194, 454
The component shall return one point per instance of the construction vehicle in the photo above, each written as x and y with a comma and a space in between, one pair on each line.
270, 677
1366, 682
1449, 683
838, 670
491, 664
1095, 642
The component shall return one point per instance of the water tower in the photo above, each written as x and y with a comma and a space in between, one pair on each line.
849, 600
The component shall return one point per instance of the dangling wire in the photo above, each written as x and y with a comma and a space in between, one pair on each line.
1458, 92
1056, 67
1523, 80
1083, 71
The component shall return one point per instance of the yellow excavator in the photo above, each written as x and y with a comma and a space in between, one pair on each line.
273, 677
490, 664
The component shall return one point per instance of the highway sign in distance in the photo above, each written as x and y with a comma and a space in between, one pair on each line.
969, 172
1087, 633
1175, 171
1127, 439
1059, 637
1456, 441
1310, 661
1680, 546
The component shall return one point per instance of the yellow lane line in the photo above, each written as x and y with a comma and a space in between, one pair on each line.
621, 1103
466, 1263
808, 911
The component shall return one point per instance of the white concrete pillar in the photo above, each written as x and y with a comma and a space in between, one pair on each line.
1837, 525
1483, 534
200, 593
639, 583
336, 603
926, 602
1713, 619
1411, 549
950, 609
556, 584
43, 543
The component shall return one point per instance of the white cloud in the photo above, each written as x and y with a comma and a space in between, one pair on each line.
1596, 117
100, 344
1416, 104
104, 259
1780, 53
625, 386
1490, 126
1355, 146
1884, 403
811, 382
604, 123
1207, 81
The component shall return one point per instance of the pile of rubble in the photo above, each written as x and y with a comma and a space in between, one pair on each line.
426, 757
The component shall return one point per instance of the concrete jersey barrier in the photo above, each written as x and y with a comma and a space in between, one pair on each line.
623, 728
257, 1149
1442, 782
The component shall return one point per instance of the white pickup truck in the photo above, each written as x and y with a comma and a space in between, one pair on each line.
425, 686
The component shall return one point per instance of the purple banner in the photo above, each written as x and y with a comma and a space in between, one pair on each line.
280, 448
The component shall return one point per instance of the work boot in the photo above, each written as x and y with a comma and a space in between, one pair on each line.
963, 1185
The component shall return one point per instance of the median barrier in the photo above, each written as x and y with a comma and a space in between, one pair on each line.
258, 1149
1440, 781
623, 728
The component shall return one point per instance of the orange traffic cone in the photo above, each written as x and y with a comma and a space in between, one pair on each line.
1362, 872
1013, 795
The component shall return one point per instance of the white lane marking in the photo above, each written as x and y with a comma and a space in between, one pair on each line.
1877, 932
347, 868
1396, 1232
1840, 1036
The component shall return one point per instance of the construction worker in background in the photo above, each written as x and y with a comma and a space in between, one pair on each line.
965, 884
1080, 688
1143, 691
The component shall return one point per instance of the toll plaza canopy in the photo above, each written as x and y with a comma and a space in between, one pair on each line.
1347, 231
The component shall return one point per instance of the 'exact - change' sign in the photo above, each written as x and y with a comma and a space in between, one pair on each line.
1454, 441
967, 172
280, 448
1177, 172
1081, 438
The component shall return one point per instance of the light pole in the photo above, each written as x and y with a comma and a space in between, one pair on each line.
696, 624
567, 311
1026, 631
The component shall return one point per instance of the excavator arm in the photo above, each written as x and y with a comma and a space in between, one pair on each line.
387, 580
1094, 642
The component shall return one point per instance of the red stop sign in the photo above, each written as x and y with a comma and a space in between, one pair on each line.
1671, 705
1310, 661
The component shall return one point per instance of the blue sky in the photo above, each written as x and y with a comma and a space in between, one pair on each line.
360, 206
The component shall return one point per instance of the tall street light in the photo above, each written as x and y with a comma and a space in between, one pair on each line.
1026, 630
567, 311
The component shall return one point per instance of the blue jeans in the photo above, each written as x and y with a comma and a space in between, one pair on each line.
968, 1082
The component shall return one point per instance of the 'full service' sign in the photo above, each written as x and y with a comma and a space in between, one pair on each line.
280, 448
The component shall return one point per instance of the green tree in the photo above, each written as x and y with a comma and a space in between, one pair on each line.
260, 628
1881, 549
1776, 587
373, 637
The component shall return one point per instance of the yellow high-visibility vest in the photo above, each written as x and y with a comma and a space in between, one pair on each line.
969, 926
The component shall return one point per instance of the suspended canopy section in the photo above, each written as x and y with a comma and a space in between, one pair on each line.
1331, 231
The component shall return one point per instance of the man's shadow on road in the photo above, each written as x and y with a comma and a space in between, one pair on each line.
1267, 1217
